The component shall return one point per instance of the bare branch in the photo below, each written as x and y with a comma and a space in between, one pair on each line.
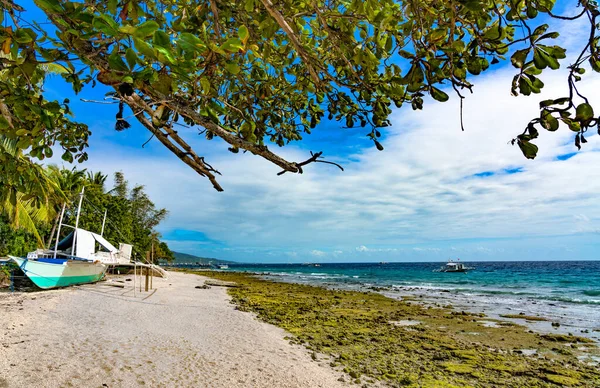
313, 159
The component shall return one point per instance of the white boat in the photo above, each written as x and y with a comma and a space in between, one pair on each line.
454, 266
223, 266
64, 267
60, 272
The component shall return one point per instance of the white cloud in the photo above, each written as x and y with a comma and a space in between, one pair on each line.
421, 195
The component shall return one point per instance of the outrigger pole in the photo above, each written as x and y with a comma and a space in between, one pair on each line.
77, 221
62, 213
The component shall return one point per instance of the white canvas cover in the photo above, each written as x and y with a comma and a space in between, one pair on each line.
84, 244
102, 241
125, 251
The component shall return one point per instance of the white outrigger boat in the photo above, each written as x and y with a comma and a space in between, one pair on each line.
75, 259
454, 266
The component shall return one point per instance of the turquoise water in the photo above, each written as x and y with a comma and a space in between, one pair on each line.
576, 282
565, 292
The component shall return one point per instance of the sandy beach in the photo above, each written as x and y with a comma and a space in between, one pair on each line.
178, 336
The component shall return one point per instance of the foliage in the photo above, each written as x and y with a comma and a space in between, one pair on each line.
15, 241
254, 71
132, 216
372, 337
25, 199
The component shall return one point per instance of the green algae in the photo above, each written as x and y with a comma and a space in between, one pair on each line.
566, 338
356, 331
525, 317
562, 380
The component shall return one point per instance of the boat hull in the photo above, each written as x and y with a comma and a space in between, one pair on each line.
64, 273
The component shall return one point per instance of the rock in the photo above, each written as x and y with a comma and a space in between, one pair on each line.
203, 287
555, 324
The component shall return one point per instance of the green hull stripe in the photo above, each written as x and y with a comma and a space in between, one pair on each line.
63, 281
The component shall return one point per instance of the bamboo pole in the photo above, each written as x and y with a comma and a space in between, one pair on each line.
152, 272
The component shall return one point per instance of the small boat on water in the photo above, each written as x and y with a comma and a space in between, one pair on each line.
455, 266
222, 266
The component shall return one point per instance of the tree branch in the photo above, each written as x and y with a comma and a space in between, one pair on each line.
313, 159
293, 38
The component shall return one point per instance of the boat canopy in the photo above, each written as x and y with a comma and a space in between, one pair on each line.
86, 243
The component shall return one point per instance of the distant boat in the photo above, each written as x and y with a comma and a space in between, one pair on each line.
454, 266
60, 267
222, 266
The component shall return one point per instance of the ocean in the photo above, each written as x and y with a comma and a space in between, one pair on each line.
564, 292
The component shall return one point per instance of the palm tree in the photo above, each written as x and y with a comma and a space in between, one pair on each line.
97, 178
31, 203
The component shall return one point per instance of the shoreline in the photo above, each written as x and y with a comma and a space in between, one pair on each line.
263, 334
575, 318
402, 342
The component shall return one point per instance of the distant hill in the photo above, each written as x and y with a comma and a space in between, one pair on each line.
187, 258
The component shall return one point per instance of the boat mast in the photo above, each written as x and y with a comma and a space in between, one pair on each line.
103, 223
77, 221
62, 213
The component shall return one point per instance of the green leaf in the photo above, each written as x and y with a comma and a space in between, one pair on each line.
232, 45
524, 86
548, 121
106, 25
205, 85
144, 48
25, 35
539, 31
249, 6
191, 42
519, 57
112, 6
438, 95
233, 68
161, 39
494, 33
131, 57
584, 112
49, 5
244, 34
3, 123
146, 29
67, 156
116, 62
551, 35
539, 59
165, 55
528, 149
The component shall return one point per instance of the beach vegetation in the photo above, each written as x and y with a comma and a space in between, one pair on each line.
260, 74
358, 332
132, 217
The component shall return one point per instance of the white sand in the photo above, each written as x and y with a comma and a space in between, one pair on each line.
180, 336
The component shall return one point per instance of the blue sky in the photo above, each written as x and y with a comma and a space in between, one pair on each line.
434, 193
